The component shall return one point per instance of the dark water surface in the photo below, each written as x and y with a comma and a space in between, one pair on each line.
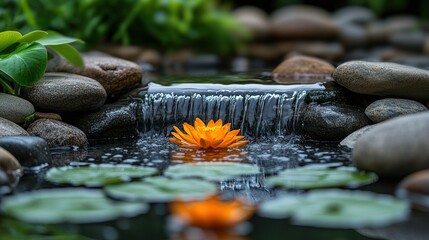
271, 154
269, 116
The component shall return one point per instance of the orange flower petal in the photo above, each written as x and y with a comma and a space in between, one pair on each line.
238, 144
185, 137
212, 135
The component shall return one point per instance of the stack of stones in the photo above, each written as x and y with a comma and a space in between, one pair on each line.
384, 73
351, 33
65, 108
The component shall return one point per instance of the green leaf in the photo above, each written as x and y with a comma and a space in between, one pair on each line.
8, 38
54, 38
338, 209
320, 176
26, 64
33, 36
73, 205
161, 189
69, 53
215, 171
97, 175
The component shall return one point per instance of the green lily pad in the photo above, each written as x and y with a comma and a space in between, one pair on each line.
214, 171
97, 175
321, 176
161, 189
338, 208
69, 205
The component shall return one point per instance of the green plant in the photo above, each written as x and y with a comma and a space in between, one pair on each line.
23, 58
167, 25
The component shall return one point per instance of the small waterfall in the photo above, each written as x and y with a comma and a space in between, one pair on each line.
256, 114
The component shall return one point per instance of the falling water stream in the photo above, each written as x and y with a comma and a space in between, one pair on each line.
257, 111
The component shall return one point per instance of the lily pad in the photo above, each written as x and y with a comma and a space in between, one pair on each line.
161, 189
321, 176
97, 175
214, 171
337, 208
69, 205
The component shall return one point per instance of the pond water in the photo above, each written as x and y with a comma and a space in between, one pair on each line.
268, 115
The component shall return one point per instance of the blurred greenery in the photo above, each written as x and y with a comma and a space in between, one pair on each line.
163, 24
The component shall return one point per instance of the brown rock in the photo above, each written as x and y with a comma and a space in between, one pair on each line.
301, 69
9, 128
10, 166
415, 187
114, 74
54, 116
8, 162
58, 133
303, 22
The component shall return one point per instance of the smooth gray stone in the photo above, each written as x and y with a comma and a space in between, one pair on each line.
396, 147
329, 121
384, 79
387, 108
30, 151
65, 92
58, 133
8, 128
14, 108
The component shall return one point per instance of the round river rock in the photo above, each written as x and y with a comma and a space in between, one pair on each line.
329, 121
57, 133
396, 147
384, 79
387, 108
14, 108
64, 92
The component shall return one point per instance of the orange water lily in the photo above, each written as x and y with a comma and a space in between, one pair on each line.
212, 135
212, 213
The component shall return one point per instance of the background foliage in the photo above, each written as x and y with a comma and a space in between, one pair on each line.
163, 24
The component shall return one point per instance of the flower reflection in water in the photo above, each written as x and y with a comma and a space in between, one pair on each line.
181, 155
210, 218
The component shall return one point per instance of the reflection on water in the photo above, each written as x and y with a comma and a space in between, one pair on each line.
181, 155
270, 154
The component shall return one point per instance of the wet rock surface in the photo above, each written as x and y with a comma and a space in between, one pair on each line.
387, 108
111, 121
330, 121
64, 92
30, 151
8, 128
396, 147
384, 79
57, 133
14, 108
254, 19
